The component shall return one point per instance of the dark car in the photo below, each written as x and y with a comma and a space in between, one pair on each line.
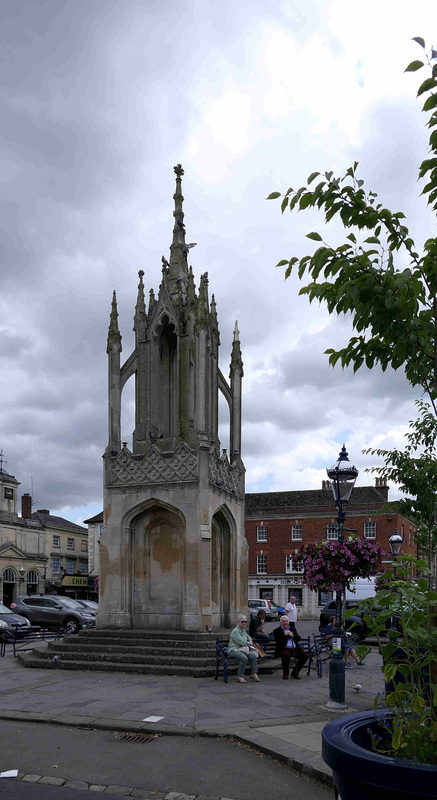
11, 621
355, 623
51, 611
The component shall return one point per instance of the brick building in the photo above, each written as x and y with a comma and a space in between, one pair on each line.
279, 523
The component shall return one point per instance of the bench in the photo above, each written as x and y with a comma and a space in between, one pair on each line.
269, 648
20, 640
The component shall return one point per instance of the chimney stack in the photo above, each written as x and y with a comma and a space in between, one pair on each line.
26, 506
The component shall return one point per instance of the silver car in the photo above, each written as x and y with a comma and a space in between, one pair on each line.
10, 621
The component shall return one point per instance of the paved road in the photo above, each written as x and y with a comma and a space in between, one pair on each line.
196, 766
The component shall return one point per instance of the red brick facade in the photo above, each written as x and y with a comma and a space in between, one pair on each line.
278, 518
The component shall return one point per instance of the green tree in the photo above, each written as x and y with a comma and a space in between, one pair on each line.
415, 470
393, 307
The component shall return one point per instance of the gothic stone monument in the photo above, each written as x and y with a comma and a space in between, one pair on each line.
173, 552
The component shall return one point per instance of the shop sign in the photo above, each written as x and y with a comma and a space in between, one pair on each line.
74, 580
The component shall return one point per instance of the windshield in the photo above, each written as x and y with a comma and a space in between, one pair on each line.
69, 602
5, 609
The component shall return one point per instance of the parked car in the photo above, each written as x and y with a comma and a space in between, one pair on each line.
280, 610
261, 604
90, 605
54, 611
355, 622
11, 621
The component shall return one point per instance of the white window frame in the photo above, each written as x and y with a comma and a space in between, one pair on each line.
261, 533
370, 530
56, 565
56, 540
70, 566
261, 564
70, 543
296, 533
83, 567
332, 532
292, 563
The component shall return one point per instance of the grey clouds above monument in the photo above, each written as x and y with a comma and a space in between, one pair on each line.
98, 101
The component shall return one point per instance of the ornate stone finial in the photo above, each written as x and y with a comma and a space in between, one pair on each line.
236, 360
178, 249
140, 318
114, 335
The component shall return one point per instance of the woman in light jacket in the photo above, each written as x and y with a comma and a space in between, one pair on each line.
240, 638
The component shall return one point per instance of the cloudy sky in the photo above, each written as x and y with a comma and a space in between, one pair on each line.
99, 99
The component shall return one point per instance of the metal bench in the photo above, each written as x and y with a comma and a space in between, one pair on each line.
268, 647
24, 640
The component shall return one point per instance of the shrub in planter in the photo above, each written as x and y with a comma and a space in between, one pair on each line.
408, 709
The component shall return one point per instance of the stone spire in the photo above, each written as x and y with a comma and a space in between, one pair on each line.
178, 270
114, 335
236, 359
140, 318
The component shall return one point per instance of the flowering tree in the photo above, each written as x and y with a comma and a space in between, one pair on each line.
333, 566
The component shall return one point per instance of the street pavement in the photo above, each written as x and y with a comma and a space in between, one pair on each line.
275, 718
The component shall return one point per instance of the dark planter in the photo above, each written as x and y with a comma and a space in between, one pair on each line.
360, 773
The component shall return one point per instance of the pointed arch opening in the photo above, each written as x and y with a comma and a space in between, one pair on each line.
222, 589
157, 558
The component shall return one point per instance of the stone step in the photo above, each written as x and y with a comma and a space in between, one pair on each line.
134, 645
81, 655
33, 660
131, 647
183, 636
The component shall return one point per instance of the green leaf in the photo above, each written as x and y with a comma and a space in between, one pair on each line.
419, 40
430, 83
312, 177
282, 263
274, 195
305, 200
315, 236
284, 204
414, 66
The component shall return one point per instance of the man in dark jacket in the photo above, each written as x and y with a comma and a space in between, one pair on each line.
287, 647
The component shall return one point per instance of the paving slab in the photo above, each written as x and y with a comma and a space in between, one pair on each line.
283, 719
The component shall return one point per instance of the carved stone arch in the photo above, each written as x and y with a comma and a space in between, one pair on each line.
156, 544
223, 529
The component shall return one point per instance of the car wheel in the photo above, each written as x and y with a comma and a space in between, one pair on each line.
72, 625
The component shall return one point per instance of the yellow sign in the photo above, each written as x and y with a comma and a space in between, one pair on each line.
74, 580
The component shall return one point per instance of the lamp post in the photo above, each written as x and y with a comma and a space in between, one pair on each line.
342, 476
395, 542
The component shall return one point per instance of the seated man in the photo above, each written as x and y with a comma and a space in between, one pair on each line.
287, 648
256, 630
346, 647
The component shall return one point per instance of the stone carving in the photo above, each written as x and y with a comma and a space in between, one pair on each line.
225, 475
153, 467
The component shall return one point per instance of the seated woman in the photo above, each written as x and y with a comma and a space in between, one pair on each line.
346, 647
287, 647
256, 628
240, 638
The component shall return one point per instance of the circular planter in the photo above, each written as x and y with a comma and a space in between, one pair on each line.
360, 773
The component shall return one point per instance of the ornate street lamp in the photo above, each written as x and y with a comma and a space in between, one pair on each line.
395, 541
342, 476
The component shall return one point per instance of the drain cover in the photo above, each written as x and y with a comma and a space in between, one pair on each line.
141, 738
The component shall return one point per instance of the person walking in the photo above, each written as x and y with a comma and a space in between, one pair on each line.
292, 613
